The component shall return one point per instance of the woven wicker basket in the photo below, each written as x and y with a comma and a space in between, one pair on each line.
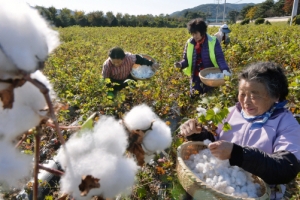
208, 81
196, 187
138, 65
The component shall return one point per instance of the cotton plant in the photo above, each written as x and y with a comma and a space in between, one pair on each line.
26, 95
26, 39
219, 175
148, 134
102, 156
28, 110
211, 118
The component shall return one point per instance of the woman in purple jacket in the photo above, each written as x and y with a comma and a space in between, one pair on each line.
201, 51
265, 137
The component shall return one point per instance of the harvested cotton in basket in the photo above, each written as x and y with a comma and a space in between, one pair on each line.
143, 71
218, 75
219, 175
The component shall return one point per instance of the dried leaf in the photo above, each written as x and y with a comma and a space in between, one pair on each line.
160, 170
63, 197
87, 183
7, 97
135, 146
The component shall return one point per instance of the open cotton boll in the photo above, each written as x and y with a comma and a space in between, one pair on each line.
29, 102
25, 37
31, 96
159, 138
116, 174
110, 135
85, 142
14, 165
139, 117
17, 120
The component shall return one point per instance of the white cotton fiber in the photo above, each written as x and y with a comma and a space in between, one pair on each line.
139, 117
25, 37
116, 174
218, 75
76, 147
143, 71
29, 108
110, 135
14, 165
159, 138
221, 176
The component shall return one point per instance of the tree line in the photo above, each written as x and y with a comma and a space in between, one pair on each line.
268, 8
66, 17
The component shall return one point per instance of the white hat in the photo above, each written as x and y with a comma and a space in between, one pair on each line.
224, 28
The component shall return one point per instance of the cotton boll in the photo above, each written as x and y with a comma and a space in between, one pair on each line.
159, 138
25, 37
29, 102
116, 174
110, 135
14, 165
30, 95
13, 121
85, 142
139, 117
229, 190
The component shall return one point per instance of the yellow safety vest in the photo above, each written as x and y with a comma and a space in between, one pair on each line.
212, 55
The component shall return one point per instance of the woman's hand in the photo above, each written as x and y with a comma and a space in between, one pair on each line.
221, 149
190, 127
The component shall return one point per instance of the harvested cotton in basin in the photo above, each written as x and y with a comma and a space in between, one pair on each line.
142, 71
218, 75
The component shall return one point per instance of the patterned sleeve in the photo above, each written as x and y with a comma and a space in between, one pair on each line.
105, 69
220, 57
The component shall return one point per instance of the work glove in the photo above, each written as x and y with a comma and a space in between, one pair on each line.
177, 65
190, 127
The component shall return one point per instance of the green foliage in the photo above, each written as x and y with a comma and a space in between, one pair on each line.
267, 22
259, 21
296, 20
245, 21
75, 71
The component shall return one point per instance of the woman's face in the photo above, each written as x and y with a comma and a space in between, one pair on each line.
116, 62
254, 98
197, 36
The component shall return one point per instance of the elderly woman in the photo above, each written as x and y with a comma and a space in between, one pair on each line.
223, 34
200, 51
265, 137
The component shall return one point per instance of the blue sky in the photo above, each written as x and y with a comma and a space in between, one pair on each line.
132, 7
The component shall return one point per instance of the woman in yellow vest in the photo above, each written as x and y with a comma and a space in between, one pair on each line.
201, 51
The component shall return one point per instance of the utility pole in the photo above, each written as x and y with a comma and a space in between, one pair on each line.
294, 11
218, 1
224, 12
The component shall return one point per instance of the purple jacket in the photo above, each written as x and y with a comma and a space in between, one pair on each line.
281, 132
205, 56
